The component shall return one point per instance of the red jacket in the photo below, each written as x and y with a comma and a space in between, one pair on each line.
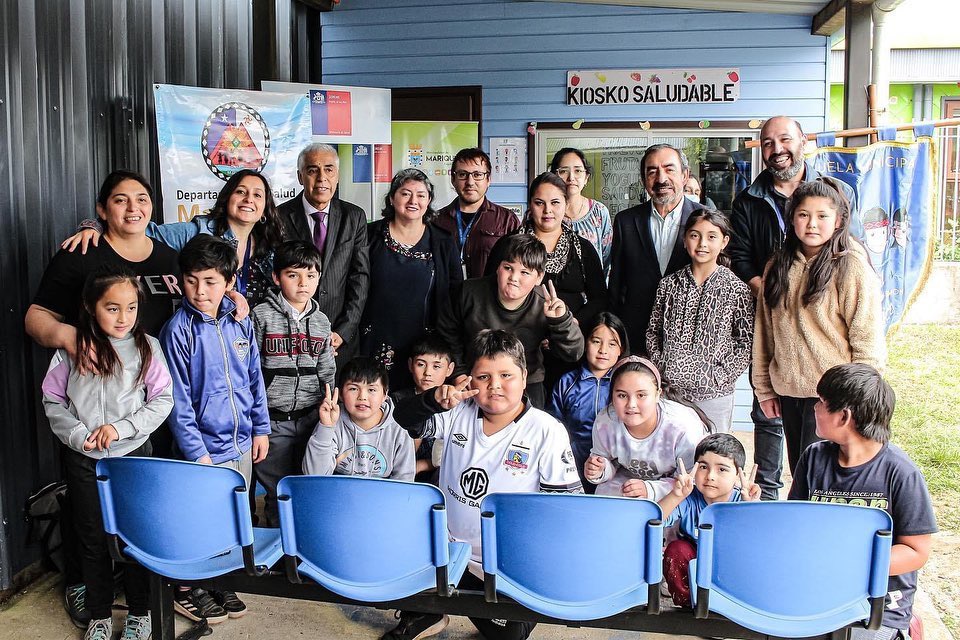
491, 223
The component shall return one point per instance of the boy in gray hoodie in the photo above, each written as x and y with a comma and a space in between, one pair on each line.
297, 359
363, 439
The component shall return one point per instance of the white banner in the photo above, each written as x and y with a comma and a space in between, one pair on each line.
355, 115
652, 86
206, 135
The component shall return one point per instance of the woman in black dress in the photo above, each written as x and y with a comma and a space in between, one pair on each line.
413, 264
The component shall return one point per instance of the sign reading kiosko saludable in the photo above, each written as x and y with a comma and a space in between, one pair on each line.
646, 86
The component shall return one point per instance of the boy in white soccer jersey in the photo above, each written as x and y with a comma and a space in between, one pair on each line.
493, 441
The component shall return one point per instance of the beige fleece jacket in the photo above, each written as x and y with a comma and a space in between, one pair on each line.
794, 344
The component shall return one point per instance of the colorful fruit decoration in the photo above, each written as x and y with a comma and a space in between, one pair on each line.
574, 79
734, 76
636, 77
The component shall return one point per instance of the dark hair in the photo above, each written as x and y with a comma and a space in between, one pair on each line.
717, 219
636, 364
92, 339
558, 157
547, 177
267, 233
684, 164
491, 343
829, 263
401, 178
116, 177
206, 251
110, 183
365, 370
860, 389
431, 344
296, 254
526, 249
471, 154
615, 324
724, 445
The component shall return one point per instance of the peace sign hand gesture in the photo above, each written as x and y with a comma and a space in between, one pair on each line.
329, 408
684, 484
553, 307
749, 489
450, 395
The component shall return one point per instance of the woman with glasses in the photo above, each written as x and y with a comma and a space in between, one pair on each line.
413, 264
590, 219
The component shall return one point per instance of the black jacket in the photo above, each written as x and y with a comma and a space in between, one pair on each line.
345, 277
446, 262
635, 269
756, 232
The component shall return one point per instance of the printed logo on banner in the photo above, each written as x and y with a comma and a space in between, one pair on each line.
415, 155
234, 137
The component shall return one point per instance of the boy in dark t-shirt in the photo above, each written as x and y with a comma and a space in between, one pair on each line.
856, 464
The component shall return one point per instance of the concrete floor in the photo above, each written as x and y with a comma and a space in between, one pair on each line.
37, 614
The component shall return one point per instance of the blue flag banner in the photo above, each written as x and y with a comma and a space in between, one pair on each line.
895, 183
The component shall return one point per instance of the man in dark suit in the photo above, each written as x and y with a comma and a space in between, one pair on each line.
339, 230
648, 240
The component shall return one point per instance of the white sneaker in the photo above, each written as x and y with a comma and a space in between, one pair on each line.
136, 628
101, 629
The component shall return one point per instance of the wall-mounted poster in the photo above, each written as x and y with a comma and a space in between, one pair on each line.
430, 147
652, 86
509, 158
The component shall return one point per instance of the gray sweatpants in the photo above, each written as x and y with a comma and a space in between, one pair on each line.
720, 412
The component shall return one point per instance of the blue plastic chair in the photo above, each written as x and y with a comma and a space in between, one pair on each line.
792, 569
572, 557
368, 539
182, 520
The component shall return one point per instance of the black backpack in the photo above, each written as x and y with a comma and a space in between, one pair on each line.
42, 511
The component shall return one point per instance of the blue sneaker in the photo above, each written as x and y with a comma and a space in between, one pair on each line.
136, 628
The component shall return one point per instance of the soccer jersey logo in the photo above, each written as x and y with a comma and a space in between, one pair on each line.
567, 457
517, 458
459, 439
474, 483
242, 347
234, 137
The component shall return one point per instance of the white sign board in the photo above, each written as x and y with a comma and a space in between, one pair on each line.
652, 86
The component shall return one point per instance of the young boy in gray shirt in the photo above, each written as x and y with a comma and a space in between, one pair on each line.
362, 438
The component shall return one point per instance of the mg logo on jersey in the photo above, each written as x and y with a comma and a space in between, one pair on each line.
474, 483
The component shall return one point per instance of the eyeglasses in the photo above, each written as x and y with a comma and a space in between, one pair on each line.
579, 172
476, 175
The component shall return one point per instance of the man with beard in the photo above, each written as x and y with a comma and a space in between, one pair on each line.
648, 239
759, 222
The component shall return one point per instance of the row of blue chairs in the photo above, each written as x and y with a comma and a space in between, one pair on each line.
785, 569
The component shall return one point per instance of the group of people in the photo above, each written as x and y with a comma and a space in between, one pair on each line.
566, 352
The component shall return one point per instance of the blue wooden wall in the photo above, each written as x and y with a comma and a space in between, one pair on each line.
520, 53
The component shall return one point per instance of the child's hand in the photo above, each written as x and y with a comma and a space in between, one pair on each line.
205, 459
593, 468
684, 484
329, 408
260, 446
553, 306
335, 341
450, 395
634, 488
101, 438
749, 489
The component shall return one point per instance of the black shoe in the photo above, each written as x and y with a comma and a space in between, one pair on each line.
414, 626
75, 602
196, 604
230, 602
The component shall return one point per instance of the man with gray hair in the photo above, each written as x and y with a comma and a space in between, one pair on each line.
339, 231
648, 240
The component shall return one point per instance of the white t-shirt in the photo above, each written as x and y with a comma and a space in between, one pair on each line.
530, 455
652, 459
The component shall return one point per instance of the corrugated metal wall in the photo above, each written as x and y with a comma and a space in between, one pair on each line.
76, 101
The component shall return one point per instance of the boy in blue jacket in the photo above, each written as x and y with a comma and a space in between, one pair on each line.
220, 414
